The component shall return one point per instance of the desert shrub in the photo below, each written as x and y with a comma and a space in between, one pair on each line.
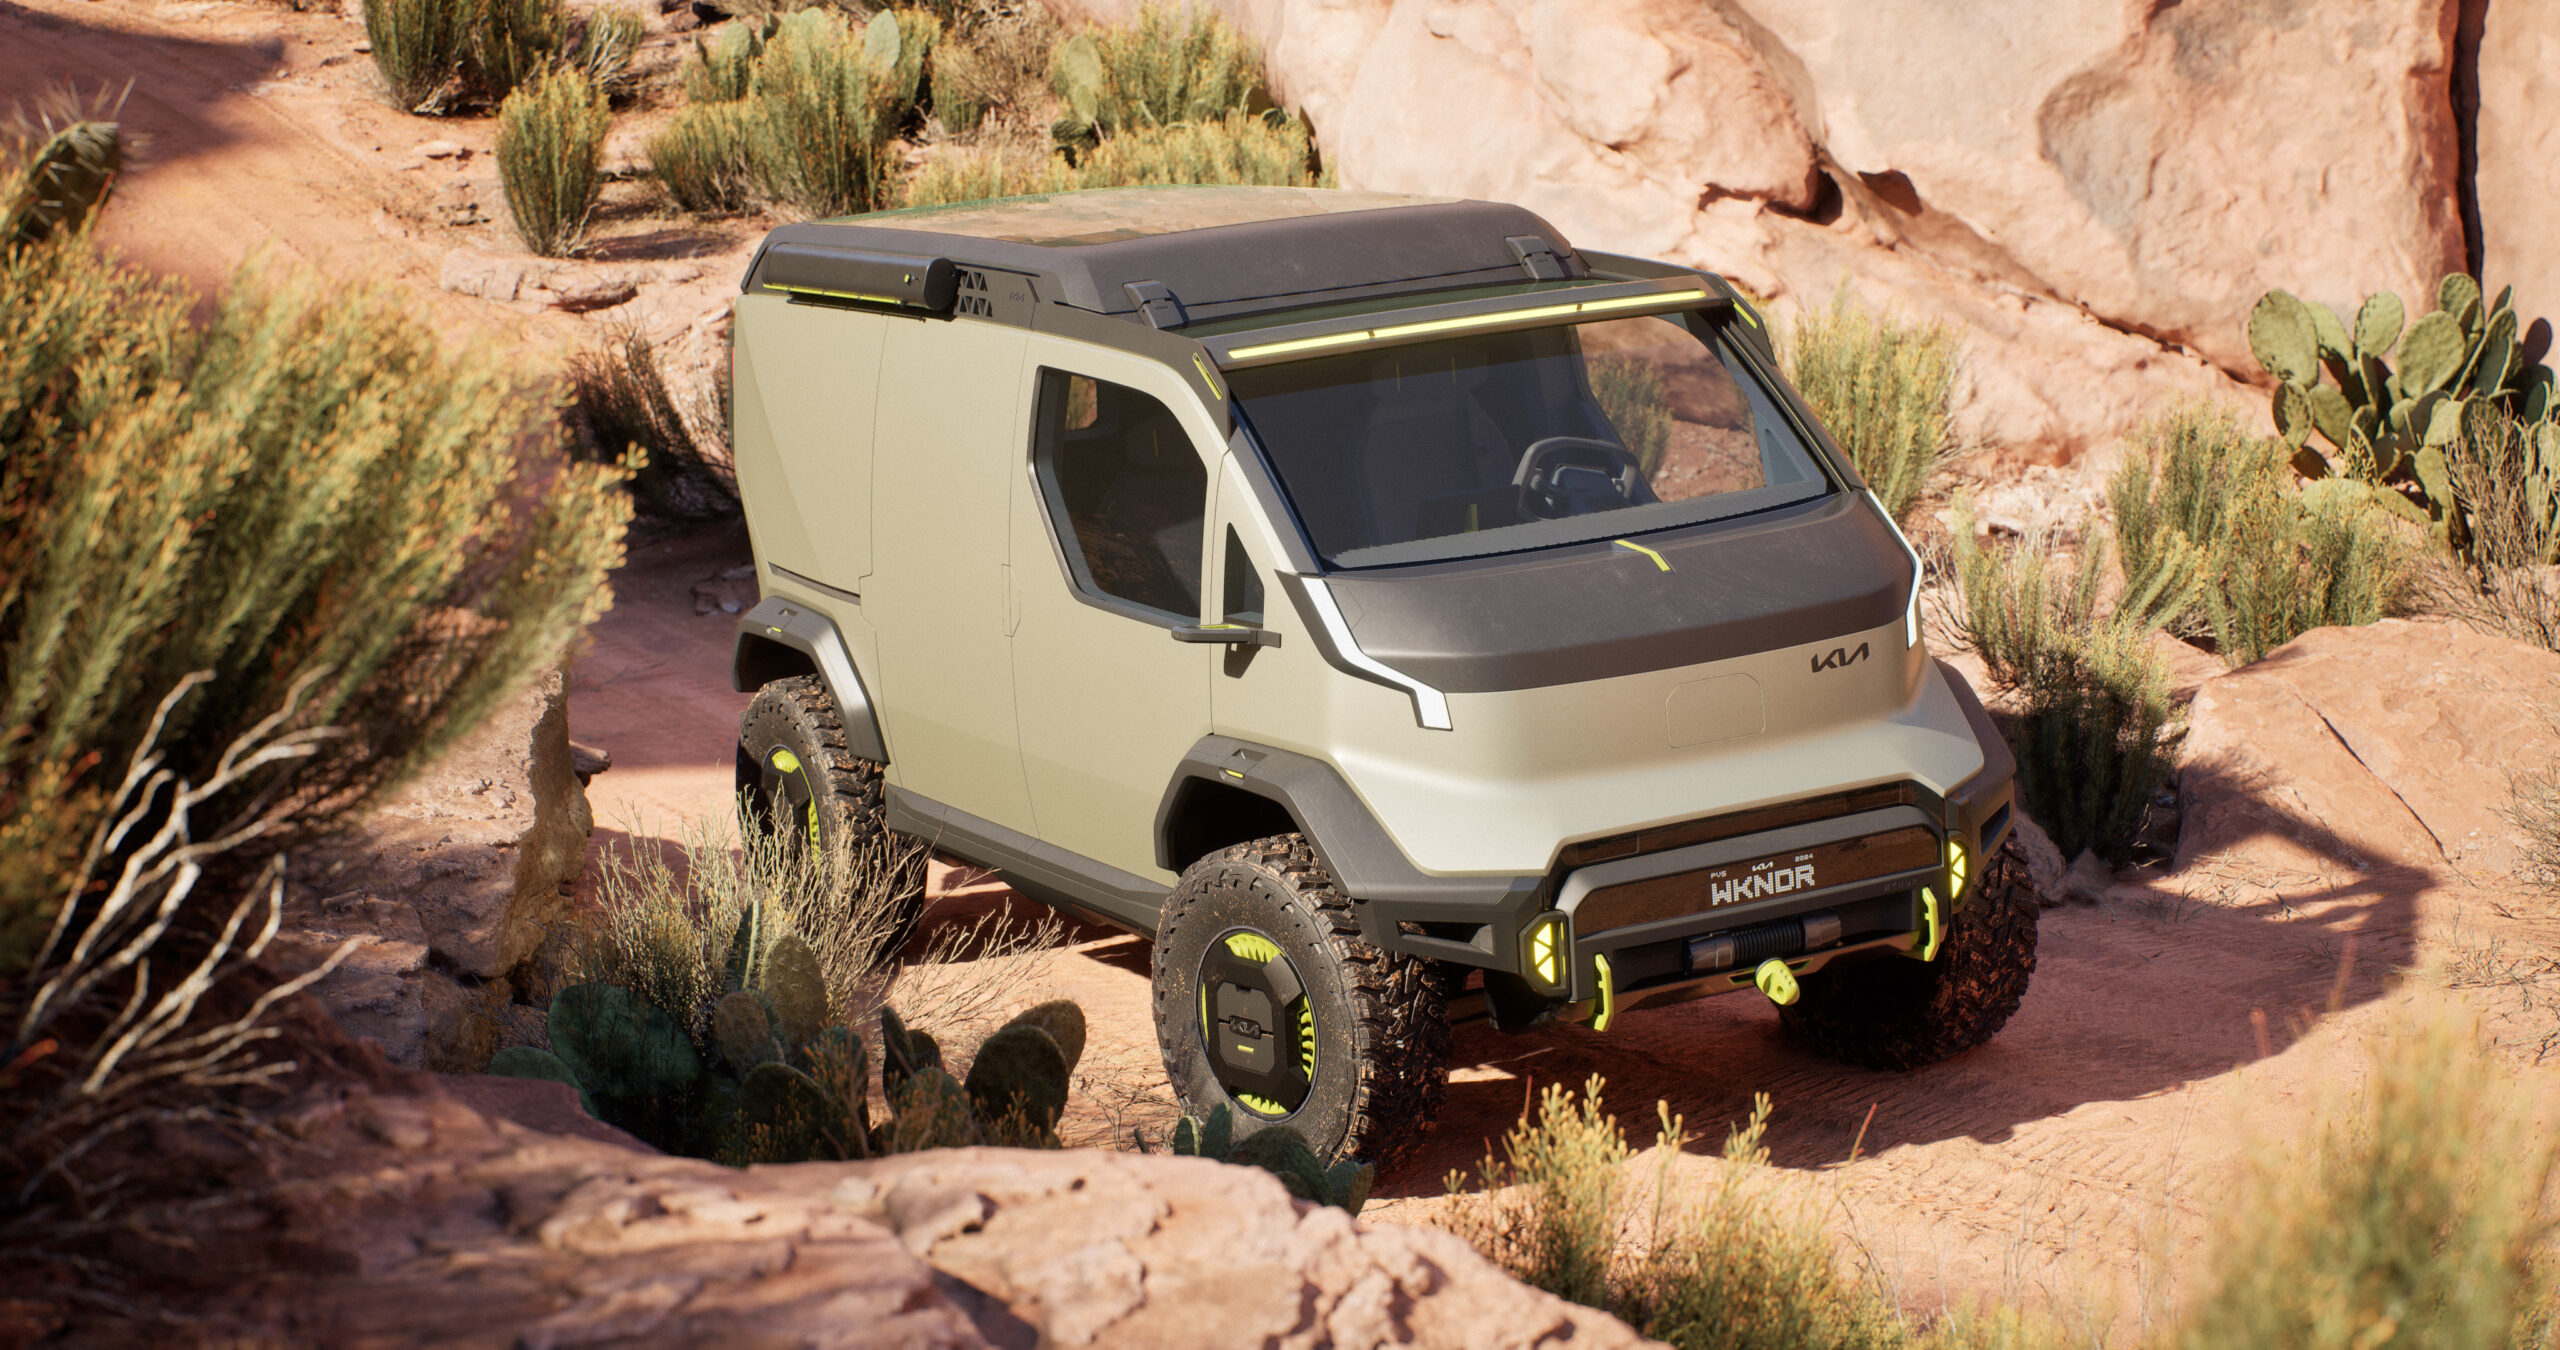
721, 70
2094, 731
980, 175
1235, 149
1729, 1267
701, 158
1637, 402
618, 401
2409, 1218
963, 87
603, 47
513, 42
418, 45
2501, 471
551, 159
994, 66
821, 113
1882, 387
259, 569
1171, 66
2217, 537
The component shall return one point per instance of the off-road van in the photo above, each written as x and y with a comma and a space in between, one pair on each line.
1400, 616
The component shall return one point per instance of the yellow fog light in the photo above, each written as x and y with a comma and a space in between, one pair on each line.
1545, 945
1958, 867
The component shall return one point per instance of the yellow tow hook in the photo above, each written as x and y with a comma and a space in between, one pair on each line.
1778, 982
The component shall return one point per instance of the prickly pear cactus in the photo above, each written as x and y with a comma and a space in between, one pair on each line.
525, 1061
742, 1031
1076, 76
1064, 1022
620, 1048
930, 1110
903, 1053
63, 182
1019, 1075
797, 988
1282, 1152
784, 1115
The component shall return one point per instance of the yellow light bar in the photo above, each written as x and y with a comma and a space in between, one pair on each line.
1398, 332
1958, 865
1546, 951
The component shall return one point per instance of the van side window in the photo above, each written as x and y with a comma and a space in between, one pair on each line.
1125, 490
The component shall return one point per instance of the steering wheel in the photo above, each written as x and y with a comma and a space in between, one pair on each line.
1575, 476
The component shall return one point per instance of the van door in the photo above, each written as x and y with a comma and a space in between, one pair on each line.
1109, 551
946, 442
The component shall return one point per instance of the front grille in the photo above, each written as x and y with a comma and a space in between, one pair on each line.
1820, 867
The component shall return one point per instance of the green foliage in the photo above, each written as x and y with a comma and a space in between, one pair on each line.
551, 158
721, 70
514, 43
1882, 388
2505, 473
1732, 1268
2408, 1219
604, 46
418, 45
820, 115
1171, 66
306, 485
701, 157
1237, 149
525, 1061
2217, 534
962, 87
57, 166
1279, 1150
2093, 737
1020, 1071
2385, 428
981, 175
1638, 404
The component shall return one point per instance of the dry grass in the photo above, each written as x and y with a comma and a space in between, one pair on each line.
551, 158
619, 401
2503, 473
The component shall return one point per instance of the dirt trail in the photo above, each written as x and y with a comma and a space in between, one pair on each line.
2057, 1161
2158, 1035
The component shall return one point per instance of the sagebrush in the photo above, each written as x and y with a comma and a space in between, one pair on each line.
551, 159
1171, 66
1883, 387
618, 402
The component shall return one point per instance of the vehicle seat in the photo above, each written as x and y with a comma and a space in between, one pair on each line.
1427, 438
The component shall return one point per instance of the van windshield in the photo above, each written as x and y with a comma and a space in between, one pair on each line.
1499, 442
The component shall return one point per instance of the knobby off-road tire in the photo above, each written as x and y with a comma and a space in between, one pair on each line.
1264, 914
1901, 1014
796, 778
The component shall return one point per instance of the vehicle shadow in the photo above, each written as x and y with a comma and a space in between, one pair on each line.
2131, 998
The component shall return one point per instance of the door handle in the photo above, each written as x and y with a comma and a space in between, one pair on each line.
1232, 634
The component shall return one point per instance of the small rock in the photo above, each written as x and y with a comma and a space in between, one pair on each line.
579, 292
2045, 869
441, 149
364, 48
739, 573
587, 760
475, 271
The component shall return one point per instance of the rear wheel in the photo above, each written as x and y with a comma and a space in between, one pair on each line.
1902, 1014
1269, 1002
800, 788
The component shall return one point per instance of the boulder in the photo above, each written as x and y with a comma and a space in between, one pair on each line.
451, 888
444, 1226
2518, 134
2372, 748
2097, 192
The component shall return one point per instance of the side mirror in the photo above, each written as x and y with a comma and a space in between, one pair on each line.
1227, 634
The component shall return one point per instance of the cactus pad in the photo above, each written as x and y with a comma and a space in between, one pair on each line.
1064, 1022
1283, 1153
787, 1117
742, 1031
903, 1053
2431, 353
2283, 338
1019, 1070
2459, 296
882, 42
525, 1061
2330, 413
2378, 324
2335, 345
619, 1047
797, 987
930, 1111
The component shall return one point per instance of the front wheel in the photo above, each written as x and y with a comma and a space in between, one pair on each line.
1270, 1003
1902, 1014
815, 802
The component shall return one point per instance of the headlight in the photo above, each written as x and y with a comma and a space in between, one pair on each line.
1959, 868
1546, 944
